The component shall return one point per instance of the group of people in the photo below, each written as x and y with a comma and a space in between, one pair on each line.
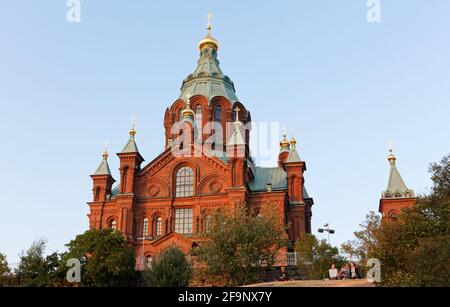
348, 271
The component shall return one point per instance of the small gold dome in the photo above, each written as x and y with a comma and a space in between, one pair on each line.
392, 158
187, 112
208, 41
293, 141
132, 132
105, 155
285, 144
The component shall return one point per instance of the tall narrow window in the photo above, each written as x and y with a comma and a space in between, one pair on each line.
233, 115
184, 185
198, 117
113, 225
97, 194
145, 228
218, 114
183, 221
158, 226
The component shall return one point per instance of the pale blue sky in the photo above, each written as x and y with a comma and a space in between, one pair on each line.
344, 85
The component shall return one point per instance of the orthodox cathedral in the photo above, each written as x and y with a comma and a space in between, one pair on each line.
206, 165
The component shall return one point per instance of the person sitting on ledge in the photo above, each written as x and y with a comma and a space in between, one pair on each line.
354, 271
333, 272
344, 273
284, 274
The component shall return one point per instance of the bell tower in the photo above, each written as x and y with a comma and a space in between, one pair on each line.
397, 195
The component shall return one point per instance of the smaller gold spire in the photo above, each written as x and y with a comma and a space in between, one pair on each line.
105, 153
284, 144
391, 157
293, 140
188, 112
237, 123
133, 130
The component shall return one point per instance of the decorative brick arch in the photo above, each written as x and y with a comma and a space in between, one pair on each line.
110, 219
393, 212
154, 187
175, 109
205, 187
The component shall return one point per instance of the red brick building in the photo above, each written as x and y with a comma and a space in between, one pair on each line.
397, 195
206, 165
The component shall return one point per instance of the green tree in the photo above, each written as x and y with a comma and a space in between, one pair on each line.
35, 270
239, 241
106, 258
4, 267
414, 250
4, 271
171, 270
316, 257
365, 239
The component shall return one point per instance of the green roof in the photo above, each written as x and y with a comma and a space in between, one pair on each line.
268, 175
130, 146
293, 155
208, 80
396, 186
103, 168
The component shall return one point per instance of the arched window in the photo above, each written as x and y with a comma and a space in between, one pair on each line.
198, 117
145, 228
393, 216
113, 224
184, 185
218, 114
97, 194
198, 111
158, 226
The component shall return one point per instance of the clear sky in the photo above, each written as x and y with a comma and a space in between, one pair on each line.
346, 86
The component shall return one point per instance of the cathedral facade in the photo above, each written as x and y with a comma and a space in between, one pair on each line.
206, 166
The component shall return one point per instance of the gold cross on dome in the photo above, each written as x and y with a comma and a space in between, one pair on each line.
133, 121
390, 146
106, 147
209, 16
237, 109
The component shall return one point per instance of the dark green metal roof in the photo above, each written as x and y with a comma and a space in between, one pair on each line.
208, 80
103, 168
268, 175
130, 146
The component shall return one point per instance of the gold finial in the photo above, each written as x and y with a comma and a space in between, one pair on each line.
208, 41
237, 123
208, 26
293, 140
133, 130
284, 144
391, 156
237, 109
105, 153
187, 108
